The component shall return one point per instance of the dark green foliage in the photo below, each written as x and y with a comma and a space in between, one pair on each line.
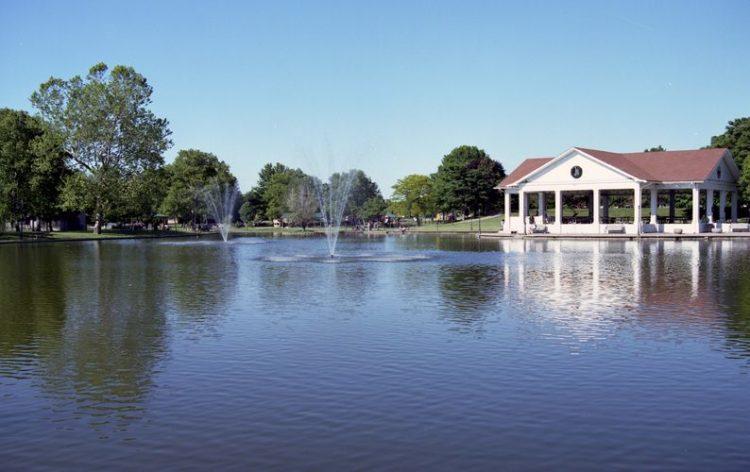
107, 131
362, 189
466, 181
276, 191
32, 168
251, 209
191, 173
736, 138
374, 208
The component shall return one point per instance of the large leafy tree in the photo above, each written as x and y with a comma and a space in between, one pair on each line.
276, 191
373, 208
252, 207
107, 131
737, 139
191, 173
18, 131
145, 194
412, 196
255, 202
48, 177
32, 168
362, 189
466, 181
302, 203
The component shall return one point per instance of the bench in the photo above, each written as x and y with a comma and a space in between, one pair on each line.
614, 229
538, 228
740, 227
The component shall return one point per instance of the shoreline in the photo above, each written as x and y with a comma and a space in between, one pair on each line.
313, 233
103, 237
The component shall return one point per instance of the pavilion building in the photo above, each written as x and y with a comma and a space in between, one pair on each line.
600, 192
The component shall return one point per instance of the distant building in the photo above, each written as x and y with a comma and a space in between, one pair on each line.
595, 179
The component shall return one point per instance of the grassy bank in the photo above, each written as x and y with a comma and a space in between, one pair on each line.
56, 236
489, 224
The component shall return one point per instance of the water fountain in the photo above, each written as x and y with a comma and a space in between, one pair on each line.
220, 203
333, 197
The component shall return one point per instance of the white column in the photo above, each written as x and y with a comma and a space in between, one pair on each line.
523, 209
596, 211
734, 206
637, 204
654, 205
710, 205
506, 222
558, 210
722, 206
540, 206
697, 210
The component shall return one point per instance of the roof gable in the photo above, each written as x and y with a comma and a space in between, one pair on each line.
666, 166
558, 171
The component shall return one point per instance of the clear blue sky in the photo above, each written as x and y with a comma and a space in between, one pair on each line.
399, 84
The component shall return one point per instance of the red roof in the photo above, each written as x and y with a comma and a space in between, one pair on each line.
527, 166
665, 166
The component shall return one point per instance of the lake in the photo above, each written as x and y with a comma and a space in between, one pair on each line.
414, 351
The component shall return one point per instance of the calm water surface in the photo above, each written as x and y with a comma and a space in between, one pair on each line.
408, 352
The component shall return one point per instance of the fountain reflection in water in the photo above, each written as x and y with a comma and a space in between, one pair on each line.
333, 198
220, 204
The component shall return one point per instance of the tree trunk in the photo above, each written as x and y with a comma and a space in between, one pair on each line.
98, 225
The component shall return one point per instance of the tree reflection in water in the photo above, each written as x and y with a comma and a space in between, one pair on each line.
468, 294
90, 319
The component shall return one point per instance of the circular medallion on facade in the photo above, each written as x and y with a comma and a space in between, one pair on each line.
576, 172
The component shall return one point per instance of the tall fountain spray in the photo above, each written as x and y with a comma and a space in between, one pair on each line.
220, 203
333, 197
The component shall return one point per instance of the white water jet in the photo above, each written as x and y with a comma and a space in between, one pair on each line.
333, 197
220, 203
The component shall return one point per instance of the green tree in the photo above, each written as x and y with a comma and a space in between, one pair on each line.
31, 168
189, 175
658, 148
107, 130
302, 203
276, 191
412, 196
251, 208
144, 195
736, 138
49, 173
361, 189
373, 208
256, 196
466, 181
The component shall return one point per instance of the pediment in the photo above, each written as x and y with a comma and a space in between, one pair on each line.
574, 167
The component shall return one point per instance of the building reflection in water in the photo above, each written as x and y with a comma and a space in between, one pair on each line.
590, 288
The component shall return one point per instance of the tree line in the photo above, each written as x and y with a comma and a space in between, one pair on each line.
94, 146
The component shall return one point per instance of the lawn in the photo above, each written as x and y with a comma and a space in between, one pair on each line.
492, 223
87, 235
